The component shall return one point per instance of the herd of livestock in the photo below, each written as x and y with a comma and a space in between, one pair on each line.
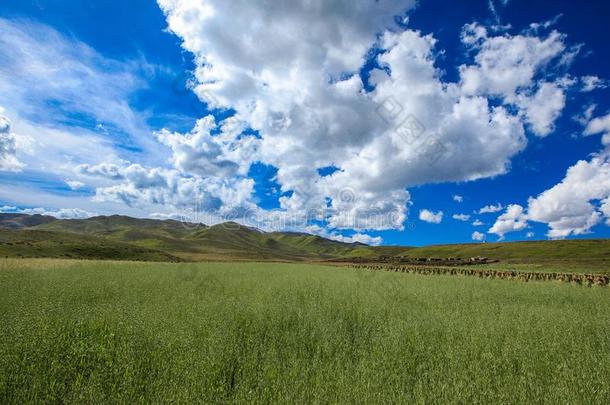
582, 279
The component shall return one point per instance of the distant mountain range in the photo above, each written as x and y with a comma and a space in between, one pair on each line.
125, 238
43, 236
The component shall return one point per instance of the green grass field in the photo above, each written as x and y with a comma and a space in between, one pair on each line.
100, 332
591, 255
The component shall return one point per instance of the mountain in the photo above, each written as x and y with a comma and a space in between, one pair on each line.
121, 237
32, 243
20, 221
186, 241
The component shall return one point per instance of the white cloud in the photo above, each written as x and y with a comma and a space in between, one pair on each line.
576, 204
542, 109
478, 236
366, 239
103, 170
600, 125
458, 198
42, 67
8, 148
505, 64
290, 72
220, 155
514, 219
357, 237
508, 66
590, 83
292, 42
490, 209
63, 213
605, 208
570, 207
477, 223
70, 106
530, 235
208, 200
461, 217
431, 217
75, 184
584, 117
336, 122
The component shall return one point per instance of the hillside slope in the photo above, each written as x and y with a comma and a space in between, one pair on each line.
20, 221
199, 242
30, 243
148, 239
593, 253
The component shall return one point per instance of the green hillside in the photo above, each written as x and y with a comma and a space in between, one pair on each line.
585, 252
20, 221
123, 227
124, 237
586, 249
30, 243
200, 242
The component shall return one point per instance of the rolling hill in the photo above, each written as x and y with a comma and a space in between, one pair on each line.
121, 237
19, 221
595, 251
32, 243
189, 241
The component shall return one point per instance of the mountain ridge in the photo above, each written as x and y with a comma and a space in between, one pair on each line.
123, 237
190, 241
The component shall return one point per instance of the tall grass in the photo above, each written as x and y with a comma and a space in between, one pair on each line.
218, 333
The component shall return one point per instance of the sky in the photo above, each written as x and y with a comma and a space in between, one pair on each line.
394, 122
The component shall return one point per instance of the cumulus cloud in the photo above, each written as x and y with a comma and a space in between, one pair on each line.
461, 217
490, 209
356, 238
478, 236
542, 109
143, 186
75, 184
431, 217
477, 222
514, 219
507, 66
605, 208
590, 83
412, 124
8, 148
63, 213
221, 155
576, 204
290, 73
586, 115
572, 207
104, 170
599, 125
458, 198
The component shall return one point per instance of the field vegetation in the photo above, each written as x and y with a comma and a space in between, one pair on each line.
105, 332
124, 238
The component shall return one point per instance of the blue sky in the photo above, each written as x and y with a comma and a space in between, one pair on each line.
197, 110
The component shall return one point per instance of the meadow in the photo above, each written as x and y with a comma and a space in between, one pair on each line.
126, 332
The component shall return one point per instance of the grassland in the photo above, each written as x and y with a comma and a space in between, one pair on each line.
195, 242
584, 254
125, 238
93, 332
44, 244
